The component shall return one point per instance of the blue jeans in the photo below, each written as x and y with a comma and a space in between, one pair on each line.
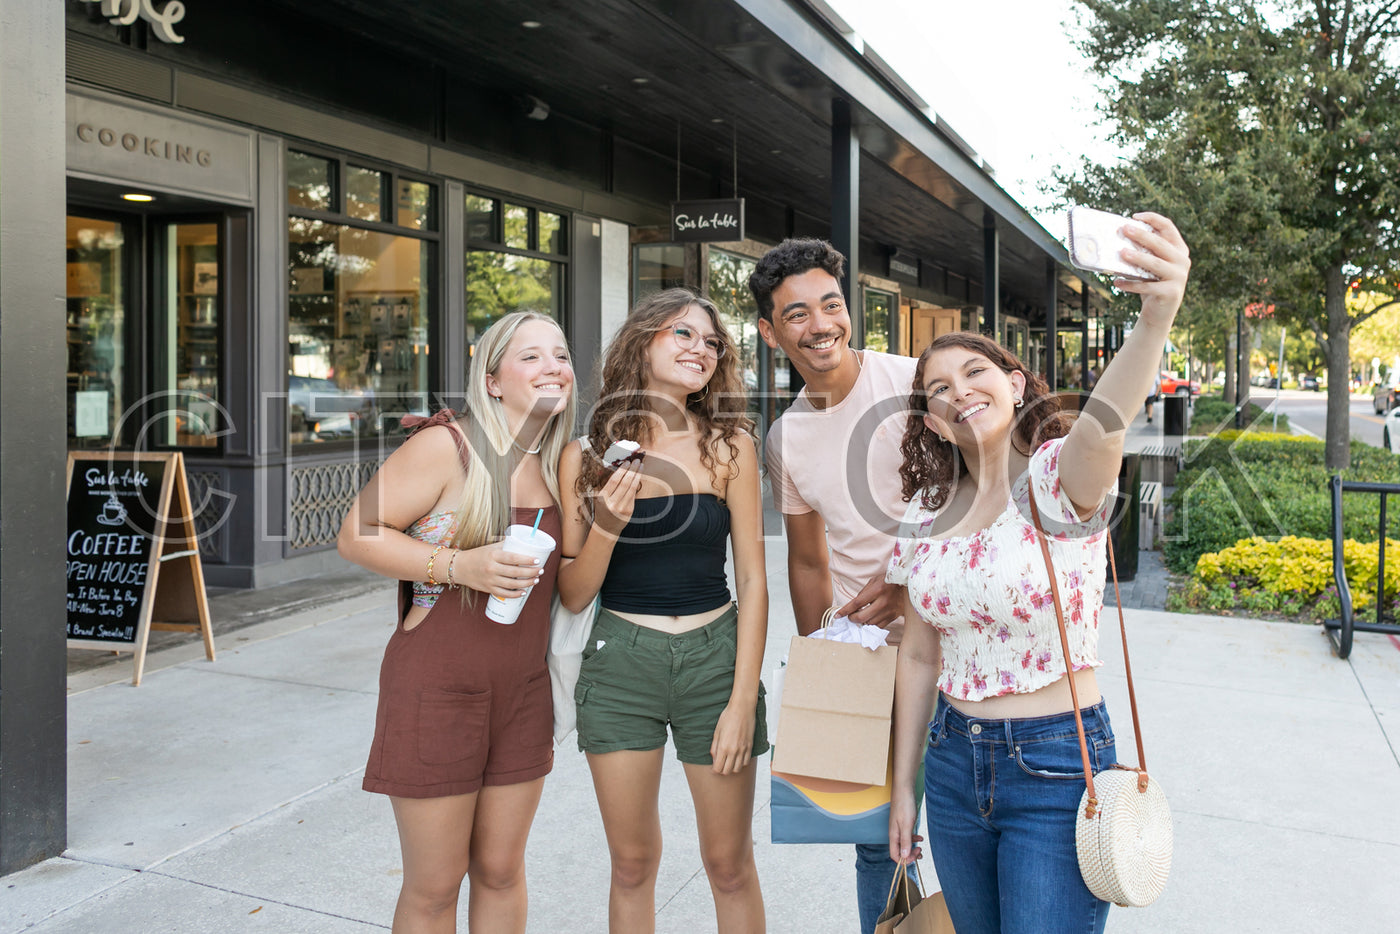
1002, 800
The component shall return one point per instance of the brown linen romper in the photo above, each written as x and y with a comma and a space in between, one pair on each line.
465, 701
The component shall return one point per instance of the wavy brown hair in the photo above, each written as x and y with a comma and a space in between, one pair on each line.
931, 463
625, 408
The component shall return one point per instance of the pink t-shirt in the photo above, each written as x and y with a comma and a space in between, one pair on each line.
988, 593
843, 462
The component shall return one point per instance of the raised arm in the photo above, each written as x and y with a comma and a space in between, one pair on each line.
1092, 454
588, 540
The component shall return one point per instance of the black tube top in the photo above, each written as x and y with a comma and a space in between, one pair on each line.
669, 560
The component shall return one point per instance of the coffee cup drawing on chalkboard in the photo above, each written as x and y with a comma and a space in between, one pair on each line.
113, 512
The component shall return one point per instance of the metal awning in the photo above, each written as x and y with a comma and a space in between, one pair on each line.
759, 73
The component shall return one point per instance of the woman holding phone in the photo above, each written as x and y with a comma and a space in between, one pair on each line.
670, 647
464, 732
1003, 772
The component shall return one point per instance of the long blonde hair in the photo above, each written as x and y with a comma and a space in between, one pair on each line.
484, 510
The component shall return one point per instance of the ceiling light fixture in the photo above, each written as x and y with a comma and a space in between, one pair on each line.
641, 81
133, 196
531, 24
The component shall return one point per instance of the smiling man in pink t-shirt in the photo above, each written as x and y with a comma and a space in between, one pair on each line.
833, 459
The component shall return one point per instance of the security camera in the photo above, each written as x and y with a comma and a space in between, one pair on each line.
534, 108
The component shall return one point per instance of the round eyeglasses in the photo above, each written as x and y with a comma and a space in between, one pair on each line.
688, 339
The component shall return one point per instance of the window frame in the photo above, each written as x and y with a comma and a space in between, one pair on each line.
499, 200
432, 233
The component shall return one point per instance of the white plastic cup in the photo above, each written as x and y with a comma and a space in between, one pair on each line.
520, 540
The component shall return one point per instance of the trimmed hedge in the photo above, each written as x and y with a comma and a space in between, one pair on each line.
1212, 413
1241, 485
1291, 577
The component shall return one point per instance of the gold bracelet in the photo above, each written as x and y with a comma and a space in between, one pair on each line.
452, 561
431, 558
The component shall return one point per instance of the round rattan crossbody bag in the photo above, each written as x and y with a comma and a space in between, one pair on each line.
1124, 830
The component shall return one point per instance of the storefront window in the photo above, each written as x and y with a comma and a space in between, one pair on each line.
657, 266
765, 373
1070, 359
520, 266
877, 320
360, 306
500, 283
517, 227
481, 219
310, 182
361, 302
415, 205
188, 355
364, 194
551, 230
98, 381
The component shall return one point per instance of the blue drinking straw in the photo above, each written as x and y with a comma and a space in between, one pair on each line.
538, 516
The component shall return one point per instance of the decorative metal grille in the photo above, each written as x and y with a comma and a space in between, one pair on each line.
317, 498
210, 502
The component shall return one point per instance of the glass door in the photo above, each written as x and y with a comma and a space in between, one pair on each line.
100, 383
188, 349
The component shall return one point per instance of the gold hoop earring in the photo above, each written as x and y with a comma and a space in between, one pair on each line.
704, 394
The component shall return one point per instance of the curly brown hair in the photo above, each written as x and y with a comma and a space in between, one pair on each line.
624, 407
931, 463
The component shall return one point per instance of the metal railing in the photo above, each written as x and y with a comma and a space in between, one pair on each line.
1340, 631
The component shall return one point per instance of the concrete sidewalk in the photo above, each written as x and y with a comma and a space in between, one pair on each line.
225, 797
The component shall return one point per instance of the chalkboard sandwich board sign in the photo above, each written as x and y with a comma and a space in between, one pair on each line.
132, 553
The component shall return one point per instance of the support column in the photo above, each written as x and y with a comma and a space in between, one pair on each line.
991, 275
1052, 317
1084, 356
845, 210
33, 441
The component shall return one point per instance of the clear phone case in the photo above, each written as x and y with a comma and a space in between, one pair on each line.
1094, 243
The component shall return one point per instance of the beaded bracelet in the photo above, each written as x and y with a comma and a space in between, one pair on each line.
452, 561
431, 558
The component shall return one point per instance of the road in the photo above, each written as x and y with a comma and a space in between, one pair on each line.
1307, 412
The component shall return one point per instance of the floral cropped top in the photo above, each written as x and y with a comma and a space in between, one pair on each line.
988, 594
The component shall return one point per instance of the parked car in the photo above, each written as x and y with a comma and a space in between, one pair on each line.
1309, 382
1174, 385
1390, 433
324, 409
1386, 396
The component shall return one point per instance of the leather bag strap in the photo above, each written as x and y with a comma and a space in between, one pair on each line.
1092, 806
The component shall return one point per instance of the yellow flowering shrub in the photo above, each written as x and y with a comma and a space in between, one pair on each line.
1302, 566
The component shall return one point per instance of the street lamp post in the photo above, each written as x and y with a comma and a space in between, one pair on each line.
1239, 368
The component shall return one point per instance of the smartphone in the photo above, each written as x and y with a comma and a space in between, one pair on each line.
1094, 243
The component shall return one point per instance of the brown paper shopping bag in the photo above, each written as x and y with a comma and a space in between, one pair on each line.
909, 911
834, 722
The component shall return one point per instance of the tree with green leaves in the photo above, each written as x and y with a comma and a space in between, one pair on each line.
1268, 132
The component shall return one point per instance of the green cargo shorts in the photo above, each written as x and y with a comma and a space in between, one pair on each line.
634, 681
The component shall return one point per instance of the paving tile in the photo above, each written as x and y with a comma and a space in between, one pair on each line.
30, 896
193, 751
153, 904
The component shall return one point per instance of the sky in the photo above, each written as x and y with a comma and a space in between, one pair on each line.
1002, 73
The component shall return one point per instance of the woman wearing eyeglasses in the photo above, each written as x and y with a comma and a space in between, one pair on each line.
670, 648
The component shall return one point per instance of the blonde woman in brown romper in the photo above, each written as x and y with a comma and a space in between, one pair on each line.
464, 732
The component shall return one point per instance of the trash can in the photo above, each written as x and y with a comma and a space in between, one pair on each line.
1174, 415
1123, 523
